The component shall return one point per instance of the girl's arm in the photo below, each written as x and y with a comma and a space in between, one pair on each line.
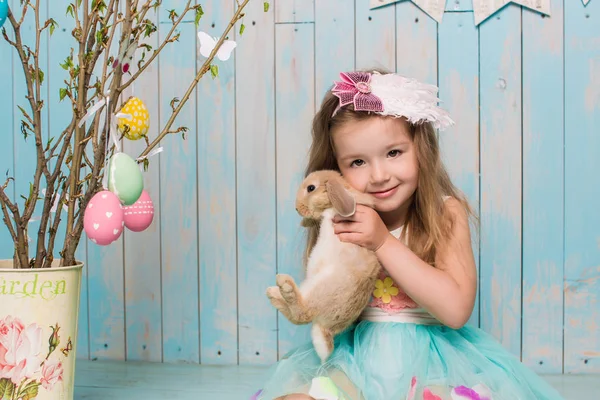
446, 291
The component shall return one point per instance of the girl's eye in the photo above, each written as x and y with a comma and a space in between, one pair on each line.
394, 153
357, 163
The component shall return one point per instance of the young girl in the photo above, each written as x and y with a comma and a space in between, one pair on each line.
411, 342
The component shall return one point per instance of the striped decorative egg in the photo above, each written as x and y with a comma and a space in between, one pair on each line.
136, 127
139, 216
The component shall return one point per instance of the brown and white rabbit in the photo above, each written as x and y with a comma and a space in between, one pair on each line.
340, 276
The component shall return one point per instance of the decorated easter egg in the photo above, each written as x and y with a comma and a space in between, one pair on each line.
103, 218
125, 179
3, 11
136, 127
139, 216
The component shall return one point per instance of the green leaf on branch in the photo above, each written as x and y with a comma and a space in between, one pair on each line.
242, 28
214, 71
68, 63
266, 6
24, 127
70, 10
199, 14
49, 143
172, 15
149, 27
62, 92
53, 24
183, 130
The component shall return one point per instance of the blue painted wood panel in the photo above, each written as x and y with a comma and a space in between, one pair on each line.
375, 36
524, 150
459, 93
178, 200
543, 180
217, 201
256, 187
582, 162
294, 94
500, 154
336, 23
9, 118
142, 281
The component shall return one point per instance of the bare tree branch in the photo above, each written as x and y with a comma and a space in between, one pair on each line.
159, 49
203, 70
64, 161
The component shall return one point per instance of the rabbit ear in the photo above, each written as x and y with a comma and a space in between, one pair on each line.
341, 199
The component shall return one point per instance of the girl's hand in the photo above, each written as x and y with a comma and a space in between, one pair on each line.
365, 228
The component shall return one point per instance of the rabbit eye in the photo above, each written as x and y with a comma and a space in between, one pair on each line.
310, 188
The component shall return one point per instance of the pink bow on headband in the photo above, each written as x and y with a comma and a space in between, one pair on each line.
356, 88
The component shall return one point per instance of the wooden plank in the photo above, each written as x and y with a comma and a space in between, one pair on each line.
106, 301
255, 169
416, 37
178, 197
457, 6
375, 36
500, 262
294, 11
142, 250
336, 23
543, 224
459, 93
294, 82
9, 117
117, 380
582, 188
217, 198
59, 46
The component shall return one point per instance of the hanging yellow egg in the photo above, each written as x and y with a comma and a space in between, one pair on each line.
136, 127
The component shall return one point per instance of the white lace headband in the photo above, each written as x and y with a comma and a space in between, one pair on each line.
391, 94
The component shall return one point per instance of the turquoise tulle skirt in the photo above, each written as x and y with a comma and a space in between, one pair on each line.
398, 361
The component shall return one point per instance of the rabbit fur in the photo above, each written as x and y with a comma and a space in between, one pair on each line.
340, 276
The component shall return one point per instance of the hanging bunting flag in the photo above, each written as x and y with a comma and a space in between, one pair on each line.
482, 9
585, 2
434, 8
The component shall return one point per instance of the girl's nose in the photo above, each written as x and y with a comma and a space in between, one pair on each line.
379, 174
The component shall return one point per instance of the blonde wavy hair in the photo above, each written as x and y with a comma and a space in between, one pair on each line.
427, 223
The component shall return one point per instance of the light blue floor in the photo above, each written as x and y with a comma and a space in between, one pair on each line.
132, 381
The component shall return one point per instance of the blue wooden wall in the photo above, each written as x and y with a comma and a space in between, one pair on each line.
524, 90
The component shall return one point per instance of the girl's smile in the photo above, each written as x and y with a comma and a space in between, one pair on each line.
385, 193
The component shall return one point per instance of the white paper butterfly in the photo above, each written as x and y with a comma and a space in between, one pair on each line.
207, 44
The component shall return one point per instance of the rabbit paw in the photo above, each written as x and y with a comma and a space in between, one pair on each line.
287, 287
276, 300
274, 293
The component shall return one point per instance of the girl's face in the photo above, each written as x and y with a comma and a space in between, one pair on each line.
378, 157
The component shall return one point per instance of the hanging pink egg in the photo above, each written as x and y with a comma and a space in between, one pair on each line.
139, 215
103, 219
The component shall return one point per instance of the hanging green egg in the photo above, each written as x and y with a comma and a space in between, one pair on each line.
125, 179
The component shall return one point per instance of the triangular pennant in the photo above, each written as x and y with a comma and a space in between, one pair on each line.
585, 2
482, 9
434, 8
